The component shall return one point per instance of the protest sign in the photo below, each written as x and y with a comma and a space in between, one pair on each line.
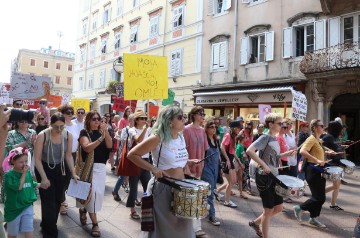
80, 103
65, 98
120, 104
4, 94
145, 77
263, 111
299, 106
153, 110
170, 99
54, 101
26, 86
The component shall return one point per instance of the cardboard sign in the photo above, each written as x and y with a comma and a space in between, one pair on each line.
26, 86
4, 94
145, 77
54, 101
263, 111
299, 106
120, 104
80, 103
153, 110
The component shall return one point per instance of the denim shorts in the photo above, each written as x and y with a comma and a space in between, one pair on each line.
24, 222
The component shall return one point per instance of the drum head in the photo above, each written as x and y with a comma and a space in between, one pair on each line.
347, 162
291, 181
185, 184
334, 170
198, 182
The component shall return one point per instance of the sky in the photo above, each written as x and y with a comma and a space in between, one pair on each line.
34, 24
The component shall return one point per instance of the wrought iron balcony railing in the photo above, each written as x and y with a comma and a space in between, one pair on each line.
342, 56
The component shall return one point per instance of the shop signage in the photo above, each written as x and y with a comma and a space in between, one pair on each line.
267, 97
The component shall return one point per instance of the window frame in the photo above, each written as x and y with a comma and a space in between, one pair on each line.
84, 26
95, 17
258, 54
57, 79
179, 61
217, 67
31, 64
102, 78
135, 3
177, 16
120, 8
134, 34
70, 67
56, 66
93, 50
69, 79
155, 20
103, 48
90, 82
117, 41
107, 10
82, 55
305, 40
47, 62
81, 83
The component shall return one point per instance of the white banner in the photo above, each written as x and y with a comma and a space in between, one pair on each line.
4, 93
299, 106
26, 86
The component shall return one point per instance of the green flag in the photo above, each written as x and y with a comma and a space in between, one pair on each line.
170, 99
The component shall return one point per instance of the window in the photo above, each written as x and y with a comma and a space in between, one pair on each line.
94, 20
136, 3
120, 7
81, 83
154, 26
32, 62
107, 15
257, 48
117, 41
57, 79
304, 39
70, 67
84, 26
348, 29
134, 34
219, 53
82, 54
176, 62
46, 64
57, 52
102, 78
69, 80
178, 17
58, 66
91, 81
103, 46
92, 51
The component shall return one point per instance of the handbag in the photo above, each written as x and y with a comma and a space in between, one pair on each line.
126, 167
84, 169
147, 207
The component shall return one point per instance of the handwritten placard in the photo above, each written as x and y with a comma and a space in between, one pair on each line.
80, 103
4, 94
26, 86
153, 110
120, 104
299, 106
65, 98
263, 111
145, 77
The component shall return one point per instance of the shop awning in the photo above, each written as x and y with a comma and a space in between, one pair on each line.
248, 90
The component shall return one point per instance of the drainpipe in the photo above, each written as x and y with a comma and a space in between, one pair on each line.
235, 41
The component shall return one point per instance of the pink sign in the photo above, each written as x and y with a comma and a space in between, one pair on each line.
263, 110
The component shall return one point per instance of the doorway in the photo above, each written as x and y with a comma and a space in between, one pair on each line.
347, 107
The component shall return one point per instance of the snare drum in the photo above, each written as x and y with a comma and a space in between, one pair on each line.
334, 173
296, 187
191, 200
349, 166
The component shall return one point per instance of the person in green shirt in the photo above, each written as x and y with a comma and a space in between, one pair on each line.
240, 164
19, 195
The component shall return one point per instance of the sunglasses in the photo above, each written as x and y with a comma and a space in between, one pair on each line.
23, 121
211, 127
41, 119
107, 116
201, 114
180, 117
58, 127
18, 104
322, 126
142, 118
43, 103
69, 112
284, 127
96, 119
82, 113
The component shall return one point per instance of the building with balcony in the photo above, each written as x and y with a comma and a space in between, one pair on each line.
56, 64
108, 29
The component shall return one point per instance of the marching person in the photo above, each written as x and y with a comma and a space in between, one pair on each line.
302, 136
290, 140
52, 149
79, 120
314, 154
268, 160
170, 157
96, 143
41, 124
44, 110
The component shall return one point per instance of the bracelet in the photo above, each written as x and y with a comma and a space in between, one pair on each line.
100, 140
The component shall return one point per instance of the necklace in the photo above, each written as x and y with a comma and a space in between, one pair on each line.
62, 164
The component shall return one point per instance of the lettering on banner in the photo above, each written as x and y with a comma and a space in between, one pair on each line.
299, 106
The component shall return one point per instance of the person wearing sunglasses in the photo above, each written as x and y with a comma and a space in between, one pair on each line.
52, 150
95, 144
17, 103
40, 123
44, 110
79, 120
268, 160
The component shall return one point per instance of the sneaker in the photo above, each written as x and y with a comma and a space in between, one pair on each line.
218, 196
214, 221
256, 228
298, 212
315, 222
230, 204
336, 208
126, 188
116, 196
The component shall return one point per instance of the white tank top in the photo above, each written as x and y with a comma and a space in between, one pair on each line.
173, 154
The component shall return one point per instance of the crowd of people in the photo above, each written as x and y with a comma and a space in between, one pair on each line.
42, 157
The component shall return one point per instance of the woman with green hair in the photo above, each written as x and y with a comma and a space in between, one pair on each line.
170, 158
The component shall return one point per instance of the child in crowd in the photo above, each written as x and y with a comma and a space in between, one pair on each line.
240, 164
19, 195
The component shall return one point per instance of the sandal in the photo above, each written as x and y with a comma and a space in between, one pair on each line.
243, 196
95, 233
336, 208
83, 218
63, 210
233, 193
134, 215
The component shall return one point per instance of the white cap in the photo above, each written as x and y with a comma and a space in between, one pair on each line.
338, 119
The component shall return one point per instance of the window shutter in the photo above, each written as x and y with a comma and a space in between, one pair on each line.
244, 50
334, 31
109, 16
210, 7
245, 1
269, 43
320, 29
222, 55
215, 56
228, 4
178, 62
287, 42
172, 63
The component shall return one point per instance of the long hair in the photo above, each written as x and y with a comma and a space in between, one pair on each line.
334, 129
162, 125
57, 116
126, 109
88, 118
209, 123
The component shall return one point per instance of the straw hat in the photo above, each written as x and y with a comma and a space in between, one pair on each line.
138, 114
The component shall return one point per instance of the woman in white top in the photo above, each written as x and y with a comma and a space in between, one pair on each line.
290, 140
170, 157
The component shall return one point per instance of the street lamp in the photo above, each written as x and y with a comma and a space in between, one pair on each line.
118, 66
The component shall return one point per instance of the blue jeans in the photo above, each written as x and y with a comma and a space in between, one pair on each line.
209, 174
118, 184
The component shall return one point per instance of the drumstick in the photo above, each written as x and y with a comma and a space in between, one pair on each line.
327, 161
353, 143
283, 167
205, 158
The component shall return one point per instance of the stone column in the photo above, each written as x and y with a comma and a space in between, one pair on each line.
320, 108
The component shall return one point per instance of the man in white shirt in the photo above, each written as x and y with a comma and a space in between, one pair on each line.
79, 121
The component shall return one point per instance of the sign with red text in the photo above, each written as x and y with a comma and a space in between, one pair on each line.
120, 104
4, 94
145, 77
299, 106
26, 86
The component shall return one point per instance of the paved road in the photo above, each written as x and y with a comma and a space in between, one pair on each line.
114, 219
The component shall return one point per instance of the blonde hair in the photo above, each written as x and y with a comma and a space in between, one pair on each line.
271, 117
